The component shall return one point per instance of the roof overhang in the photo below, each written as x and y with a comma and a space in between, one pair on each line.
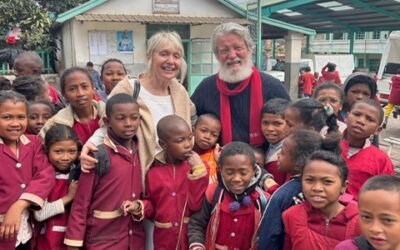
193, 20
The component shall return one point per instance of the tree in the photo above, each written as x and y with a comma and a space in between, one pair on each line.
33, 19
59, 6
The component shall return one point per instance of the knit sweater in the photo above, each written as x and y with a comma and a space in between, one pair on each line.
147, 131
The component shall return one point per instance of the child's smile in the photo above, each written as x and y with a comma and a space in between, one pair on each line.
13, 120
237, 172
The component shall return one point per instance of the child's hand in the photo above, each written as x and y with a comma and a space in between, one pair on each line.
88, 162
194, 159
217, 152
129, 207
10, 225
73, 186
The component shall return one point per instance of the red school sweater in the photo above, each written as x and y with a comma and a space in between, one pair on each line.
307, 228
367, 162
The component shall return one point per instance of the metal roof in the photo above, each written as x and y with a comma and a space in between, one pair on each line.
158, 19
333, 16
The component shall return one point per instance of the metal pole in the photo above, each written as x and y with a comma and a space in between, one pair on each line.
259, 41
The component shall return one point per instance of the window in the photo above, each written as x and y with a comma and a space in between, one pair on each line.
360, 63
374, 65
182, 30
359, 35
376, 35
338, 36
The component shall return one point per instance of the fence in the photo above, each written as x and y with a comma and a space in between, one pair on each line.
7, 69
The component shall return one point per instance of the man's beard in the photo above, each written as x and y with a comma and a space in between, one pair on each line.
230, 75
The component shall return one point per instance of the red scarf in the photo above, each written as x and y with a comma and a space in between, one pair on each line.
256, 102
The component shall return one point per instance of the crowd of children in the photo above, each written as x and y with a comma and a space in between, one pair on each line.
317, 183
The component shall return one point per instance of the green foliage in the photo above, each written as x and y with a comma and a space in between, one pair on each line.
59, 6
33, 19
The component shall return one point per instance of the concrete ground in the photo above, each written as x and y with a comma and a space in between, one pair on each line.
392, 130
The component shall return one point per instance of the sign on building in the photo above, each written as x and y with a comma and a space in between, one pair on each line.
166, 6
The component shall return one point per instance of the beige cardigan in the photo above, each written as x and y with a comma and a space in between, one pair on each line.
183, 107
66, 117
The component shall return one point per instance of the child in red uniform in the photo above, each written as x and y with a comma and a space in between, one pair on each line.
96, 221
175, 185
112, 72
357, 86
206, 133
363, 159
296, 150
379, 209
26, 175
38, 114
83, 114
232, 208
307, 79
273, 127
330, 74
322, 221
394, 97
61, 145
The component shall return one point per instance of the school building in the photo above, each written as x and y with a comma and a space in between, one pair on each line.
101, 29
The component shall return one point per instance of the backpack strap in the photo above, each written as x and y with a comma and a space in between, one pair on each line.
103, 160
362, 243
263, 199
136, 89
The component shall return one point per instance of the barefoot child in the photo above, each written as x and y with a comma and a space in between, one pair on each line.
175, 185
322, 221
83, 114
363, 159
232, 208
96, 221
61, 144
26, 175
379, 209
206, 133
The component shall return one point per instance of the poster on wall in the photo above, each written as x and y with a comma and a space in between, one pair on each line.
125, 41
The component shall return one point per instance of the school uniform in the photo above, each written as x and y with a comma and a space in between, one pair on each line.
271, 164
363, 164
307, 228
308, 81
220, 226
96, 221
271, 233
68, 117
332, 77
52, 230
173, 193
28, 176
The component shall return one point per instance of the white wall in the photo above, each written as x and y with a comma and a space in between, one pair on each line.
77, 54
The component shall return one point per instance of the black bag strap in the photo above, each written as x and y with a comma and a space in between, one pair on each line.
363, 244
136, 89
103, 160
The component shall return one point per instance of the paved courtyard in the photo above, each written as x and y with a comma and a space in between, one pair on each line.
392, 130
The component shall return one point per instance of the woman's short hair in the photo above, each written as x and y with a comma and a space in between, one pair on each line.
231, 28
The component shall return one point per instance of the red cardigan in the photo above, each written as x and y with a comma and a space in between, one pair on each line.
307, 228
368, 162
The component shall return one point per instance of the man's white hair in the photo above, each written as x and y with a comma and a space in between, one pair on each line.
231, 28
